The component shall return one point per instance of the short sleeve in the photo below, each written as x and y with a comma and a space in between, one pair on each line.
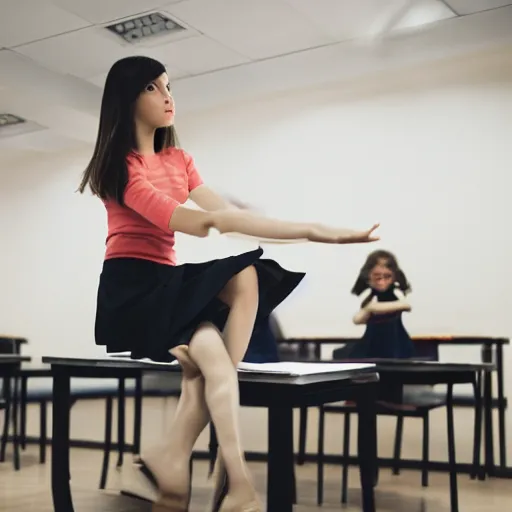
194, 179
143, 198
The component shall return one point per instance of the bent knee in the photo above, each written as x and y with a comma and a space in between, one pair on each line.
208, 352
206, 340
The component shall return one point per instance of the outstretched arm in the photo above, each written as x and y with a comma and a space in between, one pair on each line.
209, 200
166, 213
228, 218
198, 223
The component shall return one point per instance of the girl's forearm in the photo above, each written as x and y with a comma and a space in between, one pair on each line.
361, 317
246, 223
381, 308
252, 224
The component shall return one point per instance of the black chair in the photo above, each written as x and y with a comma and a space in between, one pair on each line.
419, 411
9, 393
420, 402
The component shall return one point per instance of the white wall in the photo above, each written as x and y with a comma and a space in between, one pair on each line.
425, 153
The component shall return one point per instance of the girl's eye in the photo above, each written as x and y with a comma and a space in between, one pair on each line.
150, 87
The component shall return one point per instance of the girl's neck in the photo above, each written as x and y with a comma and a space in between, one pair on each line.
145, 140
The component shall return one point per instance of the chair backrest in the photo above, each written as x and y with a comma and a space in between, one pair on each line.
7, 345
426, 349
297, 351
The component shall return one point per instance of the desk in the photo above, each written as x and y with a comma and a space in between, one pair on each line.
492, 350
12, 343
277, 393
396, 373
9, 368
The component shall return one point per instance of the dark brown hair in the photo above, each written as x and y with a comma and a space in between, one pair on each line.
380, 257
107, 172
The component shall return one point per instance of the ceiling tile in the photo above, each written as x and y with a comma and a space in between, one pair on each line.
98, 80
424, 12
473, 6
23, 21
346, 19
83, 53
103, 11
261, 29
46, 140
197, 55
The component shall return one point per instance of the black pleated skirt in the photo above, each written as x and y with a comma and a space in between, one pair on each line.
147, 308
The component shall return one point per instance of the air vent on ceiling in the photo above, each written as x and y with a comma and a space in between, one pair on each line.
12, 126
144, 27
10, 120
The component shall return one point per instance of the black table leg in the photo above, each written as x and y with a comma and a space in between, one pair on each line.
6, 390
137, 416
488, 425
303, 425
501, 406
121, 403
61, 492
42, 432
454, 495
367, 445
280, 460
15, 417
477, 471
108, 443
23, 413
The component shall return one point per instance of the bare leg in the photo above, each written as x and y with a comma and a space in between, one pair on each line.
169, 462
192, 416
207, 350
241, 295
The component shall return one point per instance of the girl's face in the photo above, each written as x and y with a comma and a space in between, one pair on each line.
381, 277
154, 107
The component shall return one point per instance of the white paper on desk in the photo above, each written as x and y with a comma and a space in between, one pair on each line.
289, 368
292, 368
125, 358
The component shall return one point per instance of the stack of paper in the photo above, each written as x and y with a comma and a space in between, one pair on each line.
125, 357
298, 369
289, 368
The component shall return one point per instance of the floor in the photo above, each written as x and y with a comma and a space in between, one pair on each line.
29, 489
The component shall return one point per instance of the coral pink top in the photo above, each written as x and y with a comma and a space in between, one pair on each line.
157, 184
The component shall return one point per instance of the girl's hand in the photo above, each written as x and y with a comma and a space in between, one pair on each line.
323, 234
